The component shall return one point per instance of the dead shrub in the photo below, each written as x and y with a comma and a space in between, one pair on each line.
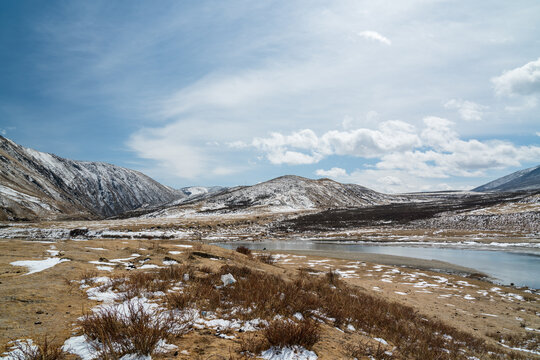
237, 271
266, 258
333, 277
282, 333
175, 272
206, 269
41, 350
243, 250
363, 349
179, 300
253, 343
87, 277
138, 284
134, 331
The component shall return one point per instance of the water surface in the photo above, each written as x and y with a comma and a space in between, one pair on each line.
505, 267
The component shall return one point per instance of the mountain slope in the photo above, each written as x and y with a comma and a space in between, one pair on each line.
282, 194
527, 179
37, 185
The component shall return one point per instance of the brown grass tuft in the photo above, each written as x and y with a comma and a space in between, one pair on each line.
266, 258
368, 349
282, 333
137, 331
41, 350
243, 250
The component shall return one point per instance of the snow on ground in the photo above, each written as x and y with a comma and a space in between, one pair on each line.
35, 266
18, 349
32, 202
288, 353
13, 232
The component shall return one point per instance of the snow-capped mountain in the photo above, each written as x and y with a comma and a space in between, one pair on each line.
282, 194
527, 179
37, 185
193, 191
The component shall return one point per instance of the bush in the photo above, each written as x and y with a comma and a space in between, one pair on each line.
42, 350
116, 332
282, 333
243, 250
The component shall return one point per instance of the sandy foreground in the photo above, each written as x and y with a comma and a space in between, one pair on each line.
50, 300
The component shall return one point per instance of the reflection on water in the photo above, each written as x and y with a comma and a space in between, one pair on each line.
506, 267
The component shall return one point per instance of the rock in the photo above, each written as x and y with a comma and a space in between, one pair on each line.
228, 279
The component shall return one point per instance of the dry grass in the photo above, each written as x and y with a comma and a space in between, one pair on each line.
156, 247
266, 258
243, 250
41, 350
136, 330
330, 300
87, 277
369, 349
530, 342
282, 333
323, 297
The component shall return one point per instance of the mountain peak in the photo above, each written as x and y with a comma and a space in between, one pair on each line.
35, 184
522, 180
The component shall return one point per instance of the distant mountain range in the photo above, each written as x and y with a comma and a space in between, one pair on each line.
528, 179
38, 186
282, 194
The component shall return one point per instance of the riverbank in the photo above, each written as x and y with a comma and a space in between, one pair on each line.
402, 261
91, 273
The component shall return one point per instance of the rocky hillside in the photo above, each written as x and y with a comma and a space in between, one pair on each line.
283, 194
527, 179
37, 185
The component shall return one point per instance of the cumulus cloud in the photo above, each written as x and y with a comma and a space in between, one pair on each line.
467, 110
524, 80
373, 35
334, 173
448, 155
390, 136
435, 151
318, 70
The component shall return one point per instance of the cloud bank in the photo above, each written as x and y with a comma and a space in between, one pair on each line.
434, 151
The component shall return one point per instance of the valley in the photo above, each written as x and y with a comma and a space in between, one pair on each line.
190, 272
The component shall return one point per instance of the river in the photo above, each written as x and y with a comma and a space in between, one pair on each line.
505, 267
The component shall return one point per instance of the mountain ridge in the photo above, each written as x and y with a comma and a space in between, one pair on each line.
282, 194
39, 185
521, 180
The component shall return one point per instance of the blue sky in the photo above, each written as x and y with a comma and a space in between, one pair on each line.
396, 96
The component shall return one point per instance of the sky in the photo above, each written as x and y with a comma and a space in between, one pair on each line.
397, 96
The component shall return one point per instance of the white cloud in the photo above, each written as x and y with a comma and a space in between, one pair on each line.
524, 80
467, 110
280, 156
334, 173
390, 136
373, 35
397, 181
320, 69
437, 151
538, 133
